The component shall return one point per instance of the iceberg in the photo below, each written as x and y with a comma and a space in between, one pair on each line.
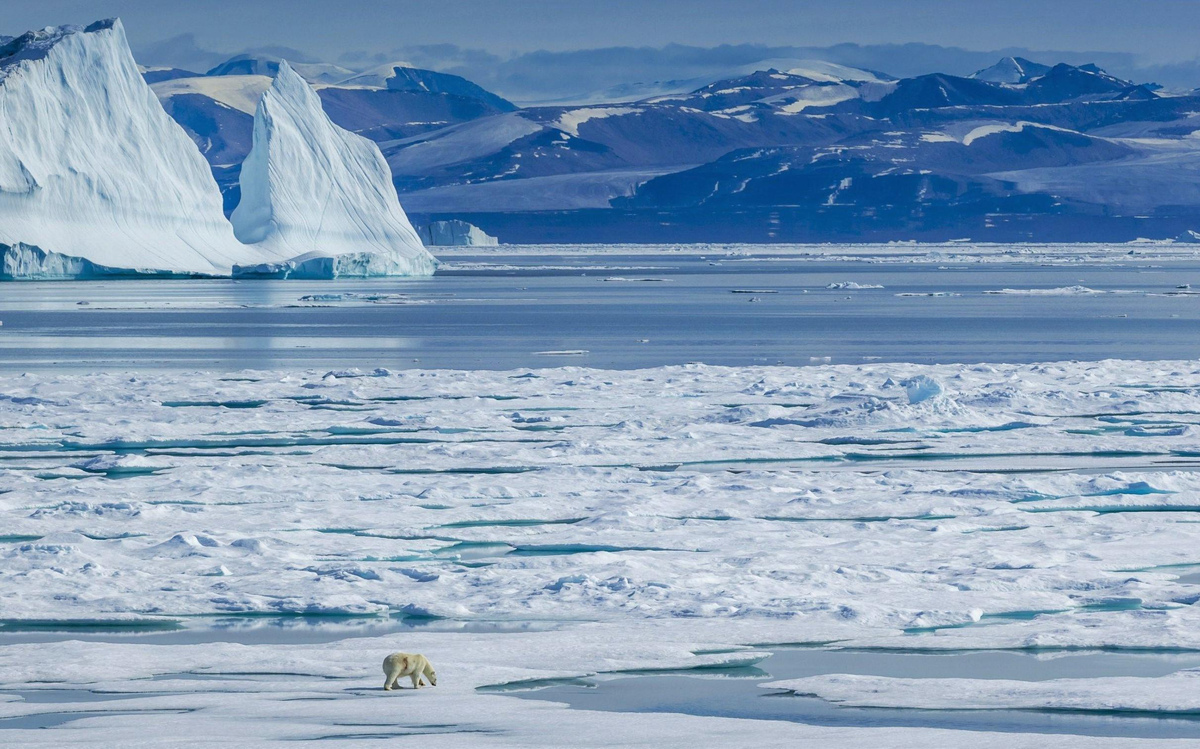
455, 233
95, 177
319, 195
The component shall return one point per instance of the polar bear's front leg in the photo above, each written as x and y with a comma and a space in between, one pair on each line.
416, 679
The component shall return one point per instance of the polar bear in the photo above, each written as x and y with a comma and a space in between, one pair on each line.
412, 665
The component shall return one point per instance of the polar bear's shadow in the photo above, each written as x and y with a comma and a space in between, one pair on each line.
377, 692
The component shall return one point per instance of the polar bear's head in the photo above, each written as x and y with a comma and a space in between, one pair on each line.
432, 676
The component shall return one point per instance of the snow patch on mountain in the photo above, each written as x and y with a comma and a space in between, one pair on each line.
93, 169
240, 92
984, 131
815, 70
570, 121
807, 97
320, 195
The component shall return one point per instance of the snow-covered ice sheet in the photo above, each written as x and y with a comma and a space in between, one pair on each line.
658, 513
1174, 694
229, 694
825, 491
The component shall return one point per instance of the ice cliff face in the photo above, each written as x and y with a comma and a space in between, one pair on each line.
320, 195
455, 233
93, 173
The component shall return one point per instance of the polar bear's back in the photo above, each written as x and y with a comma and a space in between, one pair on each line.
403, 663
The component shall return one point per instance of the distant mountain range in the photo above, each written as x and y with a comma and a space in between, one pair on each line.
788, 150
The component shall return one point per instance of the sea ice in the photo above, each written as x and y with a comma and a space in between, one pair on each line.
648, 516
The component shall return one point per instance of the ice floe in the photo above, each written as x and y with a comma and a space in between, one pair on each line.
648, 515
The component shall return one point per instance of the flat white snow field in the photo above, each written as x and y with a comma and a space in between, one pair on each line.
668, 518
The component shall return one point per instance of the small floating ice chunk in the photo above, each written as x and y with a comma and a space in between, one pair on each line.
339, 374
1060, 291
921, 388
387, 421
565, 352
852, 285
520, 418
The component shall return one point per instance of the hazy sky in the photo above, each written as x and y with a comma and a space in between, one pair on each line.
1161, 30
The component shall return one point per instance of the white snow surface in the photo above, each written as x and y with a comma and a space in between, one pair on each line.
92, 168
319, 195
656, 517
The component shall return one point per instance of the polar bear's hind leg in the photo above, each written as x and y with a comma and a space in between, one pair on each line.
393, 669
